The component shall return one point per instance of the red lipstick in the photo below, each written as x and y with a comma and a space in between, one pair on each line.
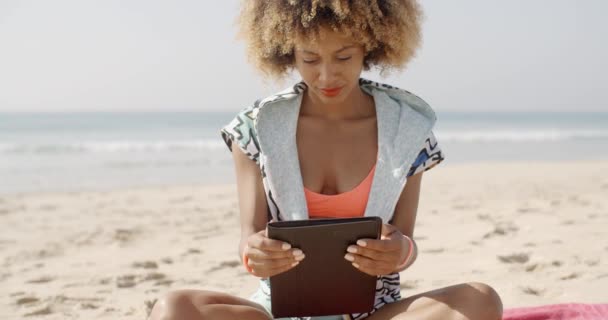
331, 92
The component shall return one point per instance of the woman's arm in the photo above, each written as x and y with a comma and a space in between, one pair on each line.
405, 212
251, 196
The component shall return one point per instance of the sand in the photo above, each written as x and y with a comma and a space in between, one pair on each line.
536, 232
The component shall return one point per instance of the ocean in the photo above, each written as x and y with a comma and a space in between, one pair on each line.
55, 152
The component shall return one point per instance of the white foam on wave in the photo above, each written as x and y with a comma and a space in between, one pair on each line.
522, 135
159, 146
110, 146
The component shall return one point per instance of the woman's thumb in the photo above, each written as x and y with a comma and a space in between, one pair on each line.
266, 233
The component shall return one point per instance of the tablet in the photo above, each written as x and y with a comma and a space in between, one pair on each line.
324, 283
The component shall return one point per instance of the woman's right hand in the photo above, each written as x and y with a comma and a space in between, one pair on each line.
268, 257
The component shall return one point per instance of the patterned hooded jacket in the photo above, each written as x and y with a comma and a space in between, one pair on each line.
266, 133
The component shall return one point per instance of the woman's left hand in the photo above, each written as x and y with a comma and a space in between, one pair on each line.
379, 257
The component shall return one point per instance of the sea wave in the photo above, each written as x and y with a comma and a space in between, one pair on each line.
159, 146
108, 146
520, 135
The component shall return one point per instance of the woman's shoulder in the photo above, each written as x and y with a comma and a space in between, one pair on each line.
250, 113
241, 131
403, 96
242, 128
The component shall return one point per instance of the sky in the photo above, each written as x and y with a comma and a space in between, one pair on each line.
182, 55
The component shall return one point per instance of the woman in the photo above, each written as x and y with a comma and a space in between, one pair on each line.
333, 145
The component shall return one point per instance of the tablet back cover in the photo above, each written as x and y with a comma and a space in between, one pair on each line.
324, 283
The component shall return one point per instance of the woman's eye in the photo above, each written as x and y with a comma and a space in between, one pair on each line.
344, 59
309, 61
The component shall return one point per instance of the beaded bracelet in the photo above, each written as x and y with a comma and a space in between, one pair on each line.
409, 254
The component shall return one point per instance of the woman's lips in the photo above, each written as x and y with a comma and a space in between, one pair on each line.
331, 92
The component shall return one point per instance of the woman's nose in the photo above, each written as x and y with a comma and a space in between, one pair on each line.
327, 74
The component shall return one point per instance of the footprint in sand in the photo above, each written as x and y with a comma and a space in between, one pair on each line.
502, 229
514, 258
484, 217
166, 282
166, 260
537, 267
51, 250
225, 264
88, 305
532, 291
126, 281
570, 276
124, 236
84, 238
145, 265
191, 251
130, 280
149, 305
155, 276
27, 300
40, 312
533, 267
528, 210
42, 279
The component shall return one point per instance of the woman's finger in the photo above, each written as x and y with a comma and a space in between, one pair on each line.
255, 253
372, 254
369, 266
269, 265
260, 241
384, 245
272, 272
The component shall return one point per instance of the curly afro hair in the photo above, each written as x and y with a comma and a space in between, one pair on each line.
389, 30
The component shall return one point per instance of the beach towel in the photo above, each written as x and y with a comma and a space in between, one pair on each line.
566, 311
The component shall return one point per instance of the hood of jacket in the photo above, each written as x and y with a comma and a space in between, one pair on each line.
404, 122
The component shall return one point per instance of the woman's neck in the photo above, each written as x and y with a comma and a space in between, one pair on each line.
357, 105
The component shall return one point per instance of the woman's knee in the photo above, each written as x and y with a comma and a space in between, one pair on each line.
199, 304
486, 302
166, 306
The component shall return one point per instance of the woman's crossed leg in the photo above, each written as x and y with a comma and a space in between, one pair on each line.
203, 304
467, 301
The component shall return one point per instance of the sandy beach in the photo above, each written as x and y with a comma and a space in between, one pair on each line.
535, 231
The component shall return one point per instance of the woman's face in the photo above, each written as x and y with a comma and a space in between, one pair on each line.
330, 66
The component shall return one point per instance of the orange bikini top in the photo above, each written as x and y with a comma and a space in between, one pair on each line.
343, 205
